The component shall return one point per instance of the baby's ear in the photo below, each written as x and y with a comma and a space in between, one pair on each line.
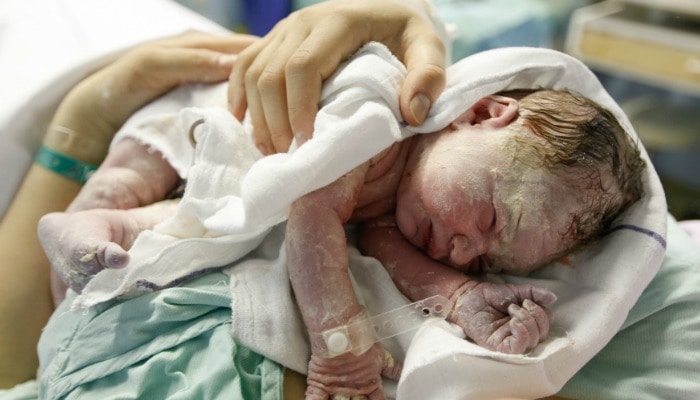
492, 111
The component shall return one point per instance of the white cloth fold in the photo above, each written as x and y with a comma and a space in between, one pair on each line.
228, 210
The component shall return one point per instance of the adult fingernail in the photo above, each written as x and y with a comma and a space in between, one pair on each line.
420, 105
265, 148
227, 60
301, 138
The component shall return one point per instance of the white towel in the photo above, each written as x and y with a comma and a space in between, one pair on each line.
228, 201
222, 217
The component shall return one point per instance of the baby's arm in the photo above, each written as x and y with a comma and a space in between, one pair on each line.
132, 175
317, 259
502, 317
82, 243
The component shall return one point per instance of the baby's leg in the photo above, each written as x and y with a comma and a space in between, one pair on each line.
82, 243
132, 175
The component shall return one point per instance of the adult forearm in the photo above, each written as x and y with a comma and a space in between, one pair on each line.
26, 302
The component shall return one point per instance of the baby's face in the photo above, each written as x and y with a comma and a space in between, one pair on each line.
466, 201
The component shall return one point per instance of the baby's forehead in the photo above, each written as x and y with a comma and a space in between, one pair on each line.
525, 147
537, 190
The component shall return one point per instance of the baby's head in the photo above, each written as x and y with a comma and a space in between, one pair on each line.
584, 143
518, 180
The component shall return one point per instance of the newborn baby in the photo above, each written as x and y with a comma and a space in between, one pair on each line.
517, 181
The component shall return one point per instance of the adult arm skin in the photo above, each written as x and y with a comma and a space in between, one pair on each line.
134, 79
279, 78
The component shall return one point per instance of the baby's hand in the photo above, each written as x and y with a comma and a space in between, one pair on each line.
351, 376
502, 317
81, 244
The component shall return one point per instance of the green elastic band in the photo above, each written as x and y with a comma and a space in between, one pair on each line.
61, 164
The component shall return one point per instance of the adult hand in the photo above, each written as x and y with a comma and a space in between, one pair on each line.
95, 109
278, 79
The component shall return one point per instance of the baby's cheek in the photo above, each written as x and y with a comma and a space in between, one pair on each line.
531, 250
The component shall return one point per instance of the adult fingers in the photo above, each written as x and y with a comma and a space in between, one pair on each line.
424, 57
313, 61
266, 81
171, 66
266, 71
232, 44
282, 76
148, 72
236, 92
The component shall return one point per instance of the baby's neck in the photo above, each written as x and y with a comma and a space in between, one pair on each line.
382, 180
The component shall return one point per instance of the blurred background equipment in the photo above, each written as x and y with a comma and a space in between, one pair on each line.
647, 53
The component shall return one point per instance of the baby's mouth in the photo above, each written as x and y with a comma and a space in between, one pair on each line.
427, 241
422, 235
476, 266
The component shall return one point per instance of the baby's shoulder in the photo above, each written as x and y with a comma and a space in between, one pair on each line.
388, 161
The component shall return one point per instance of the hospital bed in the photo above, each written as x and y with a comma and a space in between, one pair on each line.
196, 331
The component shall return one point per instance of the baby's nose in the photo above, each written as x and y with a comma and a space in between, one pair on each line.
465, 250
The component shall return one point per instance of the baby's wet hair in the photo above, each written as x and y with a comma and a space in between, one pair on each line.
584, 143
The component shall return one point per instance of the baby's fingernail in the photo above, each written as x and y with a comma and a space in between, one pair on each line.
529, 305
227, 60
420, 105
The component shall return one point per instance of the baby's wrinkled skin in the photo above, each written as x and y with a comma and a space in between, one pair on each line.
131, 176
433, 209
97, 239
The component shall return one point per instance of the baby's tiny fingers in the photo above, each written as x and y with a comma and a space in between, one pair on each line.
377, 395
113, 256
540, 315
392, 368
543, 296
523, 316
519, 337
315, 393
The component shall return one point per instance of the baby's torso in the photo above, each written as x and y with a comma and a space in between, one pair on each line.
378, 195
